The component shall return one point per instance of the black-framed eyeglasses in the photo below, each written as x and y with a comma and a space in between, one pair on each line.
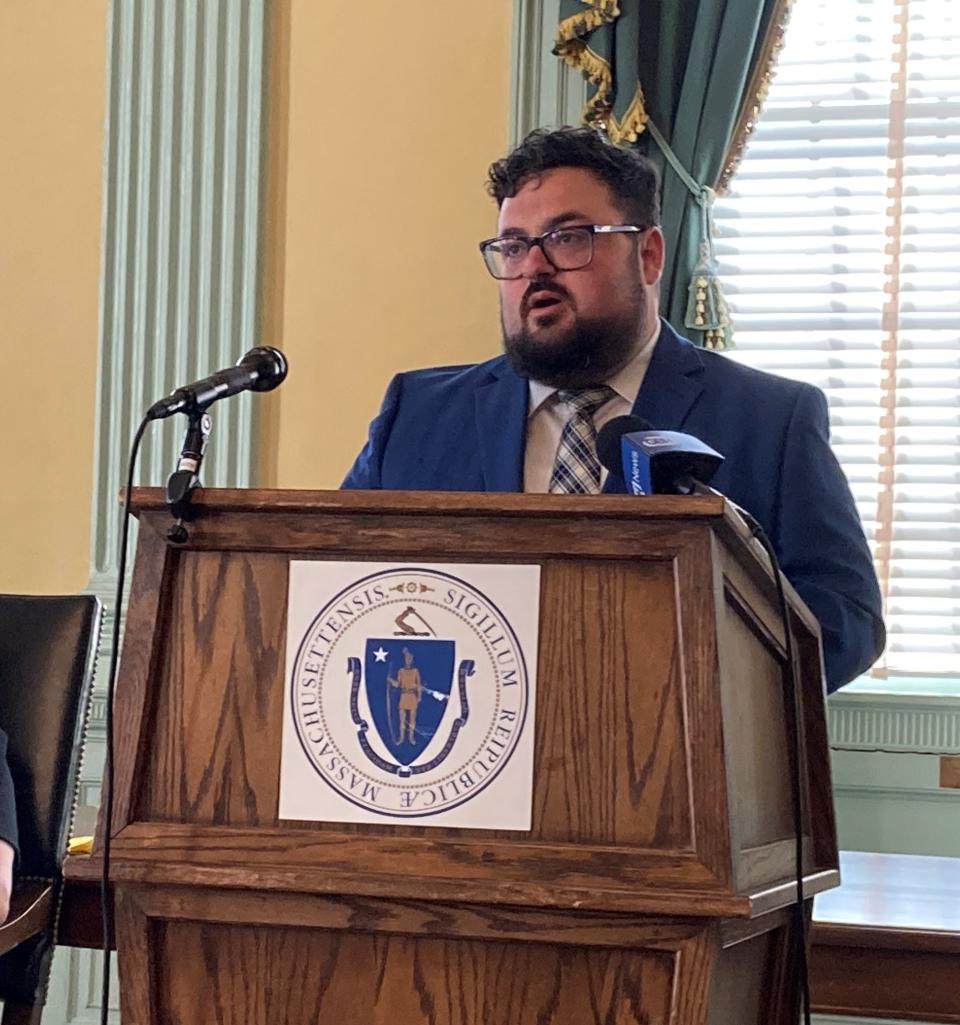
568, 248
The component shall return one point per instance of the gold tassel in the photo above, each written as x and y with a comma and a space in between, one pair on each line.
706, 307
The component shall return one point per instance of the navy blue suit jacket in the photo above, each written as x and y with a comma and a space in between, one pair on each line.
463, 429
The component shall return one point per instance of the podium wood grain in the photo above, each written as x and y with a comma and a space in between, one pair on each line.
660, 807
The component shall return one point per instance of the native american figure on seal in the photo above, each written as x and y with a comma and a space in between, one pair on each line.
411, 692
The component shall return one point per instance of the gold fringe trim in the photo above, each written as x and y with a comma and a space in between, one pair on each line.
600, 12
579, 25
633, 122
596, 70
571, 47
598, 110
756, 92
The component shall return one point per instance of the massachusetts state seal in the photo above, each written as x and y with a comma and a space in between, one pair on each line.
409, 692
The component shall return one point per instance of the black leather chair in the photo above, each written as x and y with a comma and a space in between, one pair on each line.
48, 649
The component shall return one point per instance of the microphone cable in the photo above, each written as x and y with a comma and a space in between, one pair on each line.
106, 902
792, 727
792, 724
608, 450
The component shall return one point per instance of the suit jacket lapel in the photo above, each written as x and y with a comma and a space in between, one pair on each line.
671, 387
501, 418
672, 383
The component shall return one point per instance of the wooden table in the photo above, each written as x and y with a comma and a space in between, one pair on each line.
886, 944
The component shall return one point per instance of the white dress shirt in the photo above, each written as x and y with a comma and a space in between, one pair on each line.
547, 416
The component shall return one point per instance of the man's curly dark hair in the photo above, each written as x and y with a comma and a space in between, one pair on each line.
631, 178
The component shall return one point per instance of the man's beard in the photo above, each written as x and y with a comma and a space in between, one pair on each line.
586, 354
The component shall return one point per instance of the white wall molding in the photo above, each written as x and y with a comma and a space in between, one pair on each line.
97, 720
896, 723
543, 90
883, 793
180, 238
833, 1019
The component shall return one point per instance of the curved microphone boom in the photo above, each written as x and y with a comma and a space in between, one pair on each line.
261, 369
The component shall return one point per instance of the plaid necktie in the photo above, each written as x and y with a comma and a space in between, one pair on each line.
577, 468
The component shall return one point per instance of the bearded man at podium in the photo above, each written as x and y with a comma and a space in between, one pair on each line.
578, 258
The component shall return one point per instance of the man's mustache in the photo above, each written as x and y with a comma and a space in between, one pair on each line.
540, 287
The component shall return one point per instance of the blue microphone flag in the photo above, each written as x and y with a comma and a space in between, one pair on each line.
653, 461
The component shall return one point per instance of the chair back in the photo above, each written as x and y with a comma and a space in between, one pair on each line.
48, 648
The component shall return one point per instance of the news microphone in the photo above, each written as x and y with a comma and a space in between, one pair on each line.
261, 369
653, 462
620, 457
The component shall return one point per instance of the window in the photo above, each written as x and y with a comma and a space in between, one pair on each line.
839, 245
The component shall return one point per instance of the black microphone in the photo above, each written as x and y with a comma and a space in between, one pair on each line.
652, 461
260, 369
609, 450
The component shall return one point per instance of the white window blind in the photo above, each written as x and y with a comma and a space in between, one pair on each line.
839, 246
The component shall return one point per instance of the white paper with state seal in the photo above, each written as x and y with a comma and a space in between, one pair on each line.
410, 694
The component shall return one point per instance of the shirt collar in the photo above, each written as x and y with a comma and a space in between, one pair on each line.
626, 382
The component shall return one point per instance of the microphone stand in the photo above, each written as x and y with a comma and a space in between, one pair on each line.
186, 476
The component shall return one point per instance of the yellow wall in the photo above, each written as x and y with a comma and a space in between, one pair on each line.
381, 132
52, 87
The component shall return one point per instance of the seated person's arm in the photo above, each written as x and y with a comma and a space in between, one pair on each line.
8, 831
7, 858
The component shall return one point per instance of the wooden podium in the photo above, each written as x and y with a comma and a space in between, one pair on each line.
652, 887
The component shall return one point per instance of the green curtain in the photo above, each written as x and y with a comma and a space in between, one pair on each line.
691, 73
